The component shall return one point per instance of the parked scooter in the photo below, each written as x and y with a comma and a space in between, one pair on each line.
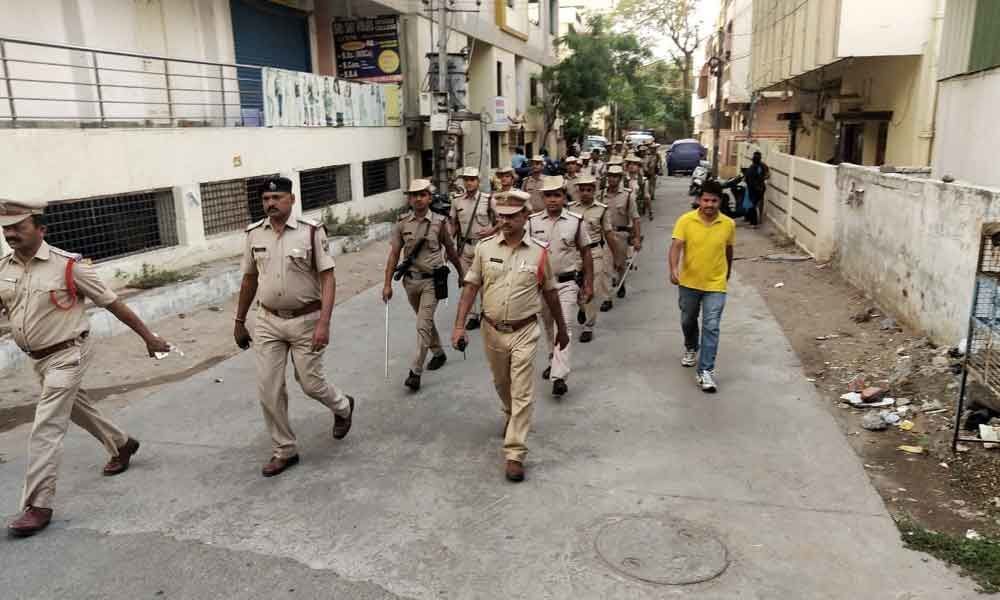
698, 177
733, 191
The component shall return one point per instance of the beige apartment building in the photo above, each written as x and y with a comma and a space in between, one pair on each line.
862, 75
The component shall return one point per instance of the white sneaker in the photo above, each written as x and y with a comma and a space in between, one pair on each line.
690, 358
707, 381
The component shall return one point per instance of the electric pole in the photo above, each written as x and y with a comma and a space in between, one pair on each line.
441, 137
716, 63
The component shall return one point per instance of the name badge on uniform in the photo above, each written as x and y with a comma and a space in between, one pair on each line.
297, 253
10, 280
497, 260
259, 249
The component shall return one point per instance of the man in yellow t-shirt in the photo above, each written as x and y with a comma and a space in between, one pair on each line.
705, 237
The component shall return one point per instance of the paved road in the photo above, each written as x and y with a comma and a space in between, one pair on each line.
413, 503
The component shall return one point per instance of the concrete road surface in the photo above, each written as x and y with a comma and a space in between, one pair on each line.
635, 477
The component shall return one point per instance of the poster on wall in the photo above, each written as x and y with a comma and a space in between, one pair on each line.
297, 99
367, 49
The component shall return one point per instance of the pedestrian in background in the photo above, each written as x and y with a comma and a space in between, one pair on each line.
532, 184
472, 219
287, 264
512, 270
704, 238
519, 162
42, 289
756, 176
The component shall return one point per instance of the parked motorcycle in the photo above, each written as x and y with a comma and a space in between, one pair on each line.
698, 177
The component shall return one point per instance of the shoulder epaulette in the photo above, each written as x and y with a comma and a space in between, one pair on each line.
540, 243
65, 254
573, 203
536, 214
601, 204
252, 226
573, 214
489, 237
312, 222
405, 216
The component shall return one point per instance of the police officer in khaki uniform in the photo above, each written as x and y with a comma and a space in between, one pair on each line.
513, 272
652, 168
569, 255
625, 220
585, 166
506, 177
42, 291
472, 219
604, 249
533, 184
420, 236
636, 181
287, 266
572, 173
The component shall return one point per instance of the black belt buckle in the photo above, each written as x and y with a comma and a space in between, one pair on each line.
285, 314
566, 277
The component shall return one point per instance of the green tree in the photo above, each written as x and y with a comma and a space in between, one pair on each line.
651, 20
597, 60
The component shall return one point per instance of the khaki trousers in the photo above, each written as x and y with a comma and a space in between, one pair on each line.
62, 401
512, 361
274, 339
602, 283
468, 253
622, 237
569, 297
420, 293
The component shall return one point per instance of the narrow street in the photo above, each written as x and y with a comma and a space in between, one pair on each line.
413, 503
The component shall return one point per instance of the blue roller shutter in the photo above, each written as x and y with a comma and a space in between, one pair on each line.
267, 35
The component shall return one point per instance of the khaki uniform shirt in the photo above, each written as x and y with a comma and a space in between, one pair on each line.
571, 191
409, 229
286, 277
621, 207
565, 236
650, 164
483, 220
533, 186
512, 277
27, 292
596, 218
637, 184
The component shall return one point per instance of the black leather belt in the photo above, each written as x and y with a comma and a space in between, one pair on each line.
50, 350
509, 326
625, 229
596, 244
295, 312
419, 275
567, 276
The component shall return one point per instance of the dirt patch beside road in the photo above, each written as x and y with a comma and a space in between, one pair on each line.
122, 373
817, 310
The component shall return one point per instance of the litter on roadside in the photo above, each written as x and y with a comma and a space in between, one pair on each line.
906, 425
780, 284
912, 449
832, 336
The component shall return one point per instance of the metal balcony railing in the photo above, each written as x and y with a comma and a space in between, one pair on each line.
60, 85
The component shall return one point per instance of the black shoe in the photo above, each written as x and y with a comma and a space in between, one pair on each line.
413, 381
586, 337
581, 317
472, 324
606, 305
546, 372
559, 387
437, 361
341, 425
621, 291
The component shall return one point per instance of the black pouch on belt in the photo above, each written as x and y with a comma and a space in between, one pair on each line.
579, 279
441, 282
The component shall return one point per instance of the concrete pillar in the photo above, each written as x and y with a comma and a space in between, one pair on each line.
188, 210
357, 182
792, 161
829, 216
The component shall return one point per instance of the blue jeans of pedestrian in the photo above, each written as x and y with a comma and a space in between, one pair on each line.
710, 305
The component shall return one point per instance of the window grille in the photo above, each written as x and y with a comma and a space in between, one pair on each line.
380, 176
232, 204
106, 227
325, 186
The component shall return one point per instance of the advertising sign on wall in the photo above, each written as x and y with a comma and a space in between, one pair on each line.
367, 49
297, 99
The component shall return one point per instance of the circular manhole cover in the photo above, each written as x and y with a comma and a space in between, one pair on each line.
665, 551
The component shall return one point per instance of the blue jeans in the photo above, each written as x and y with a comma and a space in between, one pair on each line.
710, 304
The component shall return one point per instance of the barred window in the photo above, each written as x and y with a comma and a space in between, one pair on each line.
232, 204
325, 186
105, 227
380, 175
